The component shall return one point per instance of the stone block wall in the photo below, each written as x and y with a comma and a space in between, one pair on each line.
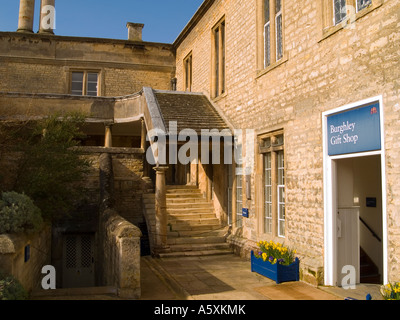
120, 254
318, 73
12, 257
37, 63
119, 240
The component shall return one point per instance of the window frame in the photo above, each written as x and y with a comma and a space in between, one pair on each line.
275, 55
272, 150
218, 83
85, 82
188, 72
238, 185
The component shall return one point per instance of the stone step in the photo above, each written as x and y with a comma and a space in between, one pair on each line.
196, 233
183, 190
195, 240
194, 227
193, 222
185, 195
175, 200
174, 211
195, 253
189, 216
199, 247
73, 292
189, 205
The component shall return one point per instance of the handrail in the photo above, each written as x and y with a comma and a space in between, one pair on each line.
370, 229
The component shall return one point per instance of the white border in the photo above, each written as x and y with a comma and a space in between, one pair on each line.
330, 272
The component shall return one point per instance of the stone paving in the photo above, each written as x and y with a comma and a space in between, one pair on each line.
228, 277
222, 277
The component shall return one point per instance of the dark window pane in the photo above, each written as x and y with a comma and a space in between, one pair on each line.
361, 4
223, 56
77, 76
340, 10
216, 35
92, 87
92, 77
267, 45
278, 6
266, 11
279, 38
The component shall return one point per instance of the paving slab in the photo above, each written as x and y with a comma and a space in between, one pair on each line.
229, 277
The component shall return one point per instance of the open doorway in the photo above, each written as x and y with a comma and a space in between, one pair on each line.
359, 229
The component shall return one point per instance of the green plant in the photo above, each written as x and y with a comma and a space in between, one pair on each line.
18, 214
275, 253
391, 291
11, 288
52, 168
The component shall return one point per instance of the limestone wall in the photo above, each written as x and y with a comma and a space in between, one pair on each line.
12, 257
119, 240
37, 63
319, 72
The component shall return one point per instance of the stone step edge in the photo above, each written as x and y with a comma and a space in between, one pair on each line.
202, 253
171, 283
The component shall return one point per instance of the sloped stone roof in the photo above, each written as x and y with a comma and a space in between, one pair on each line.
190, 111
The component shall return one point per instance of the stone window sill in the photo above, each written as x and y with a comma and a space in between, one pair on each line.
271, 67
220, 97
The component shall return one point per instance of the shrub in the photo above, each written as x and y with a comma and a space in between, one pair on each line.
11, 288
52, 169
18, 214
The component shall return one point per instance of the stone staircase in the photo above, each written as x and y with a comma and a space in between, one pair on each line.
193, 228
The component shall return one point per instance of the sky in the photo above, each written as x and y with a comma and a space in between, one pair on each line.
163, 19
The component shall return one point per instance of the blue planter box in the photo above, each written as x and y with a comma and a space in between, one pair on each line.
276, 272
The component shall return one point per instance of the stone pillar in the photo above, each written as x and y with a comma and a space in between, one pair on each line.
161, 209
135, 31
47, 16
143, 135
26, 14
108, 138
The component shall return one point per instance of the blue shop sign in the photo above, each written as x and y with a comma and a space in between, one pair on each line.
356, 130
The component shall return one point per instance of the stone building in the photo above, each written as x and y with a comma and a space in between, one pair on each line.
295, 71
311, 91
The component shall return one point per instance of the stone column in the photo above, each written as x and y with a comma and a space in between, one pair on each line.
108, 138
26, 13
143, 135
47, 17
161, 209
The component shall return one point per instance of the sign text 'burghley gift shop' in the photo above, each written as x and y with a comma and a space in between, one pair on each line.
343, 138
356, 130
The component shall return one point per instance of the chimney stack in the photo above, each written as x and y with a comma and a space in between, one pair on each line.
47, 16
135, 31
26, 14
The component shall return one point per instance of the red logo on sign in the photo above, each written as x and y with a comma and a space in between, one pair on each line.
374, 110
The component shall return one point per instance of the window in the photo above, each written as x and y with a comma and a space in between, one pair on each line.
345, 8
239, 186
340, 10
273, 170
337, 14
362, 4
218, 79
187, 63
272, 31
84, 83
